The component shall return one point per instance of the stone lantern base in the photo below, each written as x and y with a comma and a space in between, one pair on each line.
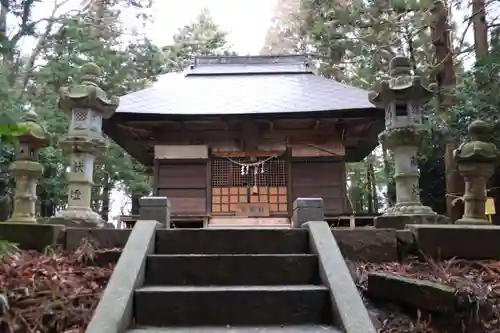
409, 209
81, 218
472, 221
476, 175
401, 221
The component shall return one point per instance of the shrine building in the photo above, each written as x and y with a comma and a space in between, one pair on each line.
234, 140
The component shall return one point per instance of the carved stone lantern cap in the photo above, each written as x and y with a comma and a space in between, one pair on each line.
479, 130
399, 66
87, 94
479, 148
35, 134
402, 87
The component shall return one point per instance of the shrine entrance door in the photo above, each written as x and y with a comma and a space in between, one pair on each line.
250, 189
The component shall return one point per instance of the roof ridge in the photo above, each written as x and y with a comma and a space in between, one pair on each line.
289, 59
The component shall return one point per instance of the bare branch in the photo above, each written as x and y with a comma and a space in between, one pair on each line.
25, 74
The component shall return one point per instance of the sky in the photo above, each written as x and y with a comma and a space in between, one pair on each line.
246, 22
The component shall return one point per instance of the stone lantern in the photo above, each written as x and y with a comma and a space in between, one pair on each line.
87, 105
476, 161
26, 170
403, 97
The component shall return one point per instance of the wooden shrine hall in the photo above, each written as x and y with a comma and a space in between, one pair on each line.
234, 140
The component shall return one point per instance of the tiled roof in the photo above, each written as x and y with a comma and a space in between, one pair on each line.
248, 85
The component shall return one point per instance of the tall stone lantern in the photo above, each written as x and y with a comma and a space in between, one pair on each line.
403, 97
26, 170
87, 105
476, 161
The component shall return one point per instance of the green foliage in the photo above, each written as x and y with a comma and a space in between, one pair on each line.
202, 37
432, 172
357, 39
7, 249
478, 97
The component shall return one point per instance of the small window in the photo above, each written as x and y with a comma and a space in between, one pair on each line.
401, 110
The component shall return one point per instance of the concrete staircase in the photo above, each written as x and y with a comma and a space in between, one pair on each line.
231, 279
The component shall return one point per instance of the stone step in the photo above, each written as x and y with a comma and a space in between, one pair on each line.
232, 241
232, 305
249, 226
232, 269
253, 329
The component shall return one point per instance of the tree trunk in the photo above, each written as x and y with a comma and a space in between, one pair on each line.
480, 29
387, 174
22, 80
98, 8
135, 204
95, 203
47, 207
106, 192
369, 182
6, 203
356, 190
3, 27
446, 81
373, 208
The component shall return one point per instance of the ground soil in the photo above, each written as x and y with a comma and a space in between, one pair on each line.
53, 292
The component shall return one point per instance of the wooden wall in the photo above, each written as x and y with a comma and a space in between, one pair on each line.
322, 177
184, 182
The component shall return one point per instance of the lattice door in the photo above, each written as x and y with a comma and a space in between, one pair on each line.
264, 184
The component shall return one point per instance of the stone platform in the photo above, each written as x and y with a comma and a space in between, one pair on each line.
462, 241
268, 329
401, 221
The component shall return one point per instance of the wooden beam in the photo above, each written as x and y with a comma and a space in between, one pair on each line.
250, 138
245, 154
130, 128
171, 136
286, 124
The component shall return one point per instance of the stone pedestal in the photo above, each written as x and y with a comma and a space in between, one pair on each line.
26, 174
404, 142
156, 209
82, 155
307, 210
476, 161
475, 175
